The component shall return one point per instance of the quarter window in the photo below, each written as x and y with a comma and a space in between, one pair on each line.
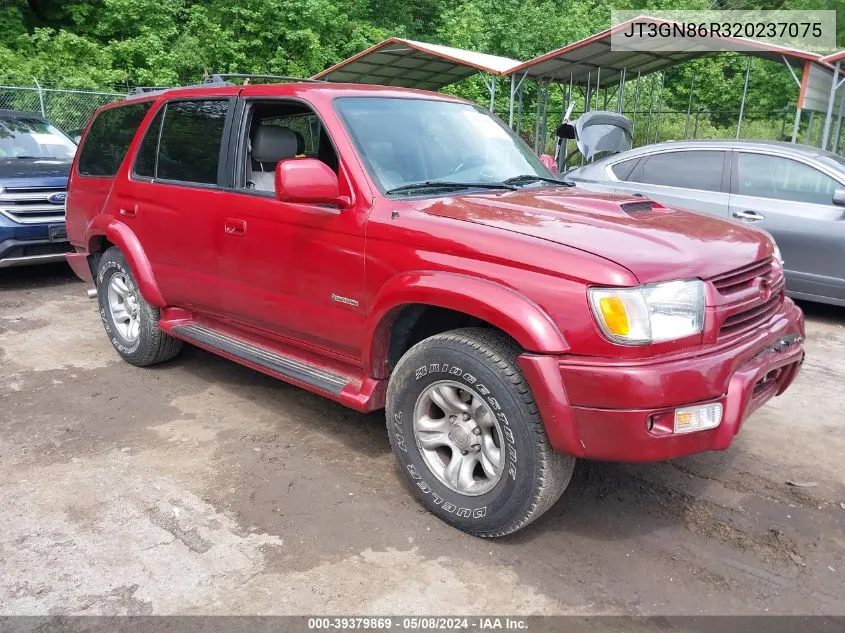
700, 170
623, 169
109, 137
782, 178
190, 141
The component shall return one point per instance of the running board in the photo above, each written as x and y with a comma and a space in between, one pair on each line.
283, 365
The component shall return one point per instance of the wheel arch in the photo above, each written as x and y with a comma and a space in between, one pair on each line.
457, 300
121, 236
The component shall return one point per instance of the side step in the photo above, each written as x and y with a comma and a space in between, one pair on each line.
288, 367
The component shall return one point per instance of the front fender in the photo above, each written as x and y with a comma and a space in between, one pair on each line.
513, 313
123, 237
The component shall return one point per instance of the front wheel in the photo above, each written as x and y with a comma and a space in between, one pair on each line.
469, 439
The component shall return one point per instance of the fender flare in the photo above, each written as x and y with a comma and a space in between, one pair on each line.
125, 239
513, 313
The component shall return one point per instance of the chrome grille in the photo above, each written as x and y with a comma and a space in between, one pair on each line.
30, 205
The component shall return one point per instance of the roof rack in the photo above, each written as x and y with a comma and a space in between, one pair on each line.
139, 90
221, 78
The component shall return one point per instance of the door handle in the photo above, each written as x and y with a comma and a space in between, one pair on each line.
749, 216
129, 212
234, 227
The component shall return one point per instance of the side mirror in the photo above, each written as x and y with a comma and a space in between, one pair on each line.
549, 162
308, 180
839, 197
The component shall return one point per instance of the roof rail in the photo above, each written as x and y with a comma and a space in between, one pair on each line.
219, 78
153, 90
139, 90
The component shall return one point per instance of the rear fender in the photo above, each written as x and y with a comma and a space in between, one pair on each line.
513, 313
123, 238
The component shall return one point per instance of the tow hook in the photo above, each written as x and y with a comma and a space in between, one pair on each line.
92, 293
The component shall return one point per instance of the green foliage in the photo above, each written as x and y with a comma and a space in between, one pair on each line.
121, 43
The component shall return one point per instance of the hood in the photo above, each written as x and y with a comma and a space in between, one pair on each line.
24, 172
652, 241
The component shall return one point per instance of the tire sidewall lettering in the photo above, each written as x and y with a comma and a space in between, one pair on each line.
464, 509
107, 270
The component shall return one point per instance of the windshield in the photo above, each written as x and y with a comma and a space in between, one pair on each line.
408, 141
23, 137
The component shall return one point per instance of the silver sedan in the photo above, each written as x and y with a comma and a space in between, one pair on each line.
794, 192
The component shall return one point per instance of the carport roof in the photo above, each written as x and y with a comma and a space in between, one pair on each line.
834, 57
583, 58
411, 64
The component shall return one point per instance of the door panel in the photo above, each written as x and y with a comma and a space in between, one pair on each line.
295, 270
811, 236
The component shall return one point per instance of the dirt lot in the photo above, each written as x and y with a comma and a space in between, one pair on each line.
200, 486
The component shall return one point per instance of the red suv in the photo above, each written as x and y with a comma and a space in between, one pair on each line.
397, 249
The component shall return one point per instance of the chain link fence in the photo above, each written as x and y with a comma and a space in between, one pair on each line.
68, 110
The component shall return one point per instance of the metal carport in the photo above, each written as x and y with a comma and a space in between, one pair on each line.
594, 64
411, 64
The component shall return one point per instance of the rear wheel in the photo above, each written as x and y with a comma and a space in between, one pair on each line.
466, 431
130, 322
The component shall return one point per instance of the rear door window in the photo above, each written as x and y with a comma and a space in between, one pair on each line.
190, 141
108, 139
699, 169
766, 176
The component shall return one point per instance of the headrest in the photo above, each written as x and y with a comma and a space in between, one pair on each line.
272, 143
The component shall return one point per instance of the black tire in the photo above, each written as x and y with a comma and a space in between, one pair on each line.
151, 345
534, 476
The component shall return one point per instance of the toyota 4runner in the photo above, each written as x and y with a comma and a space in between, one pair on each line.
398, 249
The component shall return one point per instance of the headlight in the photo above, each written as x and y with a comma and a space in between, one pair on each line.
649, 314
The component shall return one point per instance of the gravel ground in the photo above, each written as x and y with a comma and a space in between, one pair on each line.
202, 487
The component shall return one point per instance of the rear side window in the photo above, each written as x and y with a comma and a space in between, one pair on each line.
145, 162
700, 170
109, 138
624, 168
190, 141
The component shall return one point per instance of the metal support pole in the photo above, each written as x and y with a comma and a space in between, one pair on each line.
650, 109
689, 103
744, 94
620, 92
598, 86
836, 131
510, 104
795, 125
831, 98
544, 134
636, 105
537, 118
493, 93
519, 108
587, 94
659, 107
40, 97
809, 128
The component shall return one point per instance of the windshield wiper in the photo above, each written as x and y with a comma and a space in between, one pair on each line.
443, 184
529, 178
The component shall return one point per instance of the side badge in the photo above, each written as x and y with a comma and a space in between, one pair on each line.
346, 300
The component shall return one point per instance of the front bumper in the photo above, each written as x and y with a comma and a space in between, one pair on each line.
623, 411
23, 252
